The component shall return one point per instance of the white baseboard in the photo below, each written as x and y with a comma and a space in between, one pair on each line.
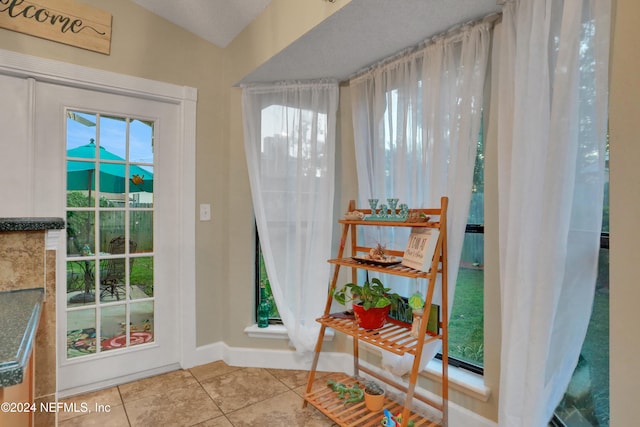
274, 359
328, 362
462, 417
62, 394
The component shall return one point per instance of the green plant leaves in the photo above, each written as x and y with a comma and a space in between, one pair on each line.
370, 295
416, 301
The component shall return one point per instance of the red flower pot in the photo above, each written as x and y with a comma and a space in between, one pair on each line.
374, 318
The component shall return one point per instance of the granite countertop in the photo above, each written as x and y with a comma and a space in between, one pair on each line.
19, 315
31, 224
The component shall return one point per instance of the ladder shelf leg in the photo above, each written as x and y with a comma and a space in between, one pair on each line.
314, 364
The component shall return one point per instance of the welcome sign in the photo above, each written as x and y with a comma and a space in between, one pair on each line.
63, 21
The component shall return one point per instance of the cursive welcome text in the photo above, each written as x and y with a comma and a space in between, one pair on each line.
16, 9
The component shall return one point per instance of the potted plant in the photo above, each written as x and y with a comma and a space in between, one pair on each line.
416, 302
373, 396
371, 302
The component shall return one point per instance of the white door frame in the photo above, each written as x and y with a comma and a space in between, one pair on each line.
56, 72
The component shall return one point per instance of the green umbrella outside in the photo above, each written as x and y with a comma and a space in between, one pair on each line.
81, 173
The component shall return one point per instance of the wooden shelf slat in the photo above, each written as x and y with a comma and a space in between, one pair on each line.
356, 414
393, 336
398, 269
427, 224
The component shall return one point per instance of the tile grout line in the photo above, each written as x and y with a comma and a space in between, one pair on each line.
210, 398
126, 413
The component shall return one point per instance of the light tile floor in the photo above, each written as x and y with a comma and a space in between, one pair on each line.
212, 395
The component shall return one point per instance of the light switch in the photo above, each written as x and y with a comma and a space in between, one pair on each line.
205, 212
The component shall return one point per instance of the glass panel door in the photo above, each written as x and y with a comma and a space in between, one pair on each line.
110, 302
114, 177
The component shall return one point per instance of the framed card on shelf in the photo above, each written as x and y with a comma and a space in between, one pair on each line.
433, 324
420, 248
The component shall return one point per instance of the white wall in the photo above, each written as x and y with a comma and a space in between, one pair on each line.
16, 162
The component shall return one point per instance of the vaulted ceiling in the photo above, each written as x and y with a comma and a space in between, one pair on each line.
358, 35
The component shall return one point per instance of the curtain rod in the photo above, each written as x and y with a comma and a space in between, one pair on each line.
451, 32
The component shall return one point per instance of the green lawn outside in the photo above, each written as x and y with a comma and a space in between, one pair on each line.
466, 323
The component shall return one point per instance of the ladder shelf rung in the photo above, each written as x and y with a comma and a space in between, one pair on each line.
394, 336
356, 414
397, 269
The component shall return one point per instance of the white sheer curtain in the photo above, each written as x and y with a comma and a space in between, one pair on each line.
416, 126
550, 82
290, 147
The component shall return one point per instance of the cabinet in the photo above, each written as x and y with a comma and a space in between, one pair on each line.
20, 395
394, 336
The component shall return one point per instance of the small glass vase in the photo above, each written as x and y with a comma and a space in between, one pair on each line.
384, 212
264, 309
392, 207
374, 204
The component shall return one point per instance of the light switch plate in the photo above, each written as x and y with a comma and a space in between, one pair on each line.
205, 212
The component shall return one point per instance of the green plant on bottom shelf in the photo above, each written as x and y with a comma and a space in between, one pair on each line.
350, 394
369, 295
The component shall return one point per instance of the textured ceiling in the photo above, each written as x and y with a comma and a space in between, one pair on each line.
364, 32
217, 21
358, 35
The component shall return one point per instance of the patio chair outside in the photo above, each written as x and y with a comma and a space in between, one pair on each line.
113, 283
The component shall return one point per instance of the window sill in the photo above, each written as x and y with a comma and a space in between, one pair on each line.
461, 380
277, 332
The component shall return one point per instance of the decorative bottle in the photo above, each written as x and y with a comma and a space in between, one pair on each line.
264, 308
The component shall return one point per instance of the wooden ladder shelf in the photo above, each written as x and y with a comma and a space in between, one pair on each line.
395, 336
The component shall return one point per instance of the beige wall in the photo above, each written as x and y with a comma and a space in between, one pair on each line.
147, 46
624, 342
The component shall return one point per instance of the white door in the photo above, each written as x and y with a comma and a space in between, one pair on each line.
111, 161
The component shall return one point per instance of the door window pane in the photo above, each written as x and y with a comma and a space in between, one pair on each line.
81, 332
139, 225
141, 142
111, 226
141, 278
81, 282
113, 136
112, 327
141, 327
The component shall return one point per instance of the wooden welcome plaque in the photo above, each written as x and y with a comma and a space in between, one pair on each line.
63, 21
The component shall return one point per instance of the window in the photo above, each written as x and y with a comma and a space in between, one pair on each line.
290, 153
263, 287
466, 322
586, 401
